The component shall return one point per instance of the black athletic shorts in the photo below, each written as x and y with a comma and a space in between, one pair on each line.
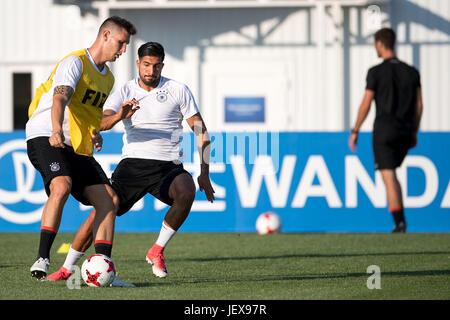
390, 148
53, 162
133, 178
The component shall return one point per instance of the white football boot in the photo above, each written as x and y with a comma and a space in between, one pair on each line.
120, 283
39, 268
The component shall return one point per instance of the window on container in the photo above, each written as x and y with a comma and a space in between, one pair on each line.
21, 99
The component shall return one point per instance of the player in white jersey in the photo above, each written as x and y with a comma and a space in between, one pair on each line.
152, 109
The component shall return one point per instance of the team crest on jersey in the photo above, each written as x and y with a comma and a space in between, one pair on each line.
161, 96
55, 167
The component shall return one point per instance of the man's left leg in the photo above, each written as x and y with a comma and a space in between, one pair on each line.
182, 191
81, 242
104, 200
394, 197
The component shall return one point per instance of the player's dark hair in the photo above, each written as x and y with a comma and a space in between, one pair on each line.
387, 37
120, 22
151, 49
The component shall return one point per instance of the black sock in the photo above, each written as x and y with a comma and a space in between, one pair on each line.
46, 242
103, 247
398, 215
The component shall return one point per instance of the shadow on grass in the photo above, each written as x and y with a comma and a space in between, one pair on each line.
312, 276
15, 266
307, 255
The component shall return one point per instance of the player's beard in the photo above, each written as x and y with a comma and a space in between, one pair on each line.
153, 82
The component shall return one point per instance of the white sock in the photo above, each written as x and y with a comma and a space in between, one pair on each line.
165, 235
72, 258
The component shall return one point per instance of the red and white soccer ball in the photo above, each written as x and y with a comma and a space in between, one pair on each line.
267, 223
98, 271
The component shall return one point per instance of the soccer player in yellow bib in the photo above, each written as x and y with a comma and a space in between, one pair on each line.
62, 132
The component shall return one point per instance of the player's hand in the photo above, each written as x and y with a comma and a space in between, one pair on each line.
204, 183
128, 109
97, 140
353, 141
57, 139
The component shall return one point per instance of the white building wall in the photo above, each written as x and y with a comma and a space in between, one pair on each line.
34, 35
309, 64
425, 26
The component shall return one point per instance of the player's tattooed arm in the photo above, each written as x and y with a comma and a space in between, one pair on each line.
61, 96
66, 91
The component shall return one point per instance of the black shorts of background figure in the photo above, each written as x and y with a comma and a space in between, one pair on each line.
390, 149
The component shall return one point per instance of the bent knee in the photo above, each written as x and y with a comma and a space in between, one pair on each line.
60, 188
105, 201
116, 203
108, 206
185, 197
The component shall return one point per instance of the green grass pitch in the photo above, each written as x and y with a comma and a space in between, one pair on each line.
231, 266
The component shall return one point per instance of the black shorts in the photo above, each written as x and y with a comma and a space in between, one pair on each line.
134, 178
53, 162
390, 149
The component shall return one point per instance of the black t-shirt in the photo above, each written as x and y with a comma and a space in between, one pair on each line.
395, 85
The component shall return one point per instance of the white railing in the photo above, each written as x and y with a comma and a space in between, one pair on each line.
163, 4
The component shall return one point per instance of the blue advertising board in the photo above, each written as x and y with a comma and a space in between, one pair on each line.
244, 109
311, 180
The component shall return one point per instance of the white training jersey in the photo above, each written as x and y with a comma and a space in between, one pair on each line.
155, 131
68, 73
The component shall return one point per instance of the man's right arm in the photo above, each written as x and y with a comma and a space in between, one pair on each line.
363, 111
110, 117
61, 96
65, 80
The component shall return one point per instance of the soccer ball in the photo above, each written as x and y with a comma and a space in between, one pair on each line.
98, 271
268, 222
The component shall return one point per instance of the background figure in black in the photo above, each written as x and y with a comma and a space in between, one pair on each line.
395, 86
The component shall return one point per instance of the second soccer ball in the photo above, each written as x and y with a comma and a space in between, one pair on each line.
267, 223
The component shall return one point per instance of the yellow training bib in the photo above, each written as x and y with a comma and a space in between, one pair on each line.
86, 103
